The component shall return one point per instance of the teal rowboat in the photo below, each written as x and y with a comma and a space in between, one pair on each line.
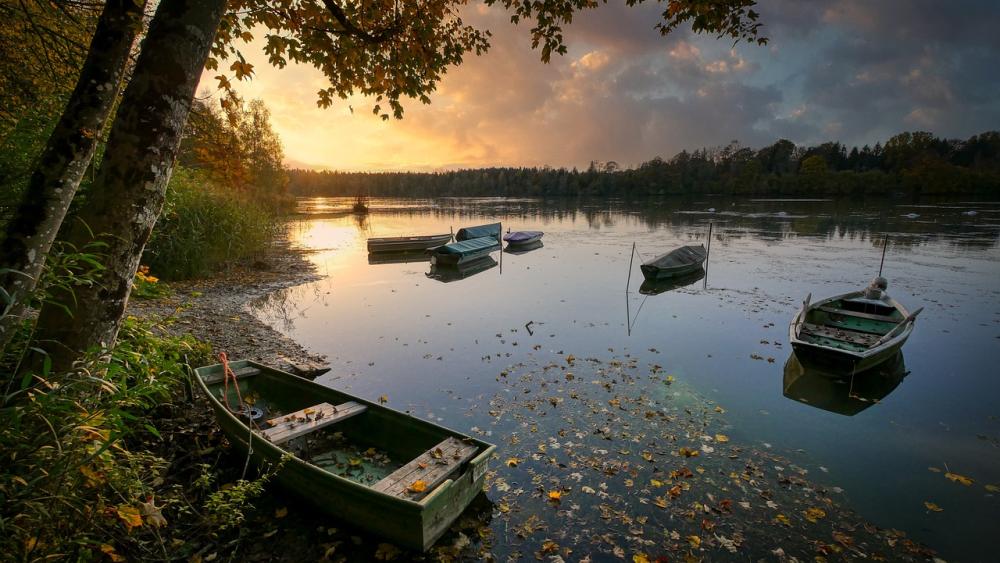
397, 476
464, 251
467, 233
852, 332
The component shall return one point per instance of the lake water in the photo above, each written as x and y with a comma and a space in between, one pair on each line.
564, 396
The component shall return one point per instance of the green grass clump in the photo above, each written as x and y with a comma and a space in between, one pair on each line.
203, 228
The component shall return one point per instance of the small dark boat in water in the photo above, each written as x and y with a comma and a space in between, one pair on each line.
523, 238
852, 332
464, 251
408, 243
466, 233
656, 287
524, 248
677, 262
838, 392
393, 474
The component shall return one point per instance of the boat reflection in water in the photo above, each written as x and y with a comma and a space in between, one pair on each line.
656, 287
841, 392
523, 248
398, 257
453, 273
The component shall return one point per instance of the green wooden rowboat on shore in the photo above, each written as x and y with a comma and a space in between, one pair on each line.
397, 476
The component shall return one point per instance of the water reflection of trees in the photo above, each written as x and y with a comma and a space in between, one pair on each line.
773, 220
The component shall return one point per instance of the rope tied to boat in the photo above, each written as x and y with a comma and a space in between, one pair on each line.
227, 374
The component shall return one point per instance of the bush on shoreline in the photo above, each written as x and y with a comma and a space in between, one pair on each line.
203, 228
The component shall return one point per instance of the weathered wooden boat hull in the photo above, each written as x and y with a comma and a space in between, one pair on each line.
523, 248
413, 524
849, 341
679, 262
405, 244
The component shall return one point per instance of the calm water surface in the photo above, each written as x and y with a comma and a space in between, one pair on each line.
437, 347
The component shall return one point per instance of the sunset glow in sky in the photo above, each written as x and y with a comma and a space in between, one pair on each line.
850, 70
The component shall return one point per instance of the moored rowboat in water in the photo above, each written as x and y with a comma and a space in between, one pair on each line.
852, 332
400, 477
467, 233
464, 251
677, 262
409, 243
523, 238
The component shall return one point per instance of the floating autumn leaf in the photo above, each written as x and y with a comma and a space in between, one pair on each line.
354, 462
640, 558
555, 496
695, 541
281, 512
959, 478
992, 488
814, 514
129, 515
512, 462
721, 438
720, 410
783, 519
549, 547
383, 399
688, 452
655, 483
660, 501
417, 486
933, 507
647, 456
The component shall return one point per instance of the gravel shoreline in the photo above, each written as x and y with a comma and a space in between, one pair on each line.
214, 309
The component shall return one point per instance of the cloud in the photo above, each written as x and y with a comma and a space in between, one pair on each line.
849, 70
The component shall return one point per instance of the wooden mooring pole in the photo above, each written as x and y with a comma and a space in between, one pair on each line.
630, 258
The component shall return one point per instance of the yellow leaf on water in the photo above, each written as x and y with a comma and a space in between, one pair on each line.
281, 512
512, 462
418, 486
383, 399
722, 438
933, 507
655, 483
555, 495
814, 514
783, 519
660, 501
959, 478
688, 452
640, 558
720, 410
992, 488
695, 541
647, 456
549, 546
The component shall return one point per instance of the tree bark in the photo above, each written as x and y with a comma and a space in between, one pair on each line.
128, 193
63, 162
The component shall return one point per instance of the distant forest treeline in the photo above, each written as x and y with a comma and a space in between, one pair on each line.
913, 163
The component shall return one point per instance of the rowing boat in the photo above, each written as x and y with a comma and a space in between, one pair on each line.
409, 243
677, 262
852, 332
395, 475
491, 230
461, 271
464, 251
523, 238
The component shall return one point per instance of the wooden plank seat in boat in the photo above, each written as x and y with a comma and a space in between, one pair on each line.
861, 338
859, 314
432, 467
298, 423
246, 371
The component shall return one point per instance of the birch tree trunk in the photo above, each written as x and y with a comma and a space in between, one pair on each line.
128, 193
63, 162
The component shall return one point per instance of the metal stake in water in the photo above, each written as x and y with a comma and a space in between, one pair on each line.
885, 244
630, 258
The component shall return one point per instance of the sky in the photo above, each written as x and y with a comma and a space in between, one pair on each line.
857, 71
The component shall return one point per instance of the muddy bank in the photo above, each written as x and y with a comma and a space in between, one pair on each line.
214, 309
